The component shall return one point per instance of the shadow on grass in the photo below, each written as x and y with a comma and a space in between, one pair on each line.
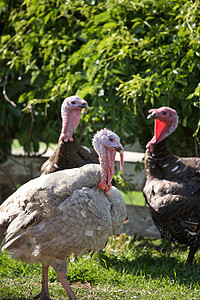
157, 267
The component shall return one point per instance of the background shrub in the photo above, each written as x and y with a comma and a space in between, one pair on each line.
124, 57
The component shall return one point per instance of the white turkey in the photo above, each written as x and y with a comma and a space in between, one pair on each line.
69, 211
69, 153
172, 187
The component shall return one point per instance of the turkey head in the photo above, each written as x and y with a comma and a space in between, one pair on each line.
71, 112
106, 143
166, 121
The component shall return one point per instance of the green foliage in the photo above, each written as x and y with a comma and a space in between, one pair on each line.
133, 197
123, 57
122, 184
127, 269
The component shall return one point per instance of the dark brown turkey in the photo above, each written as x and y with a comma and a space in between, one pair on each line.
69, 153
172, 187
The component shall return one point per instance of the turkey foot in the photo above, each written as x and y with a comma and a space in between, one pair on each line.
44, 294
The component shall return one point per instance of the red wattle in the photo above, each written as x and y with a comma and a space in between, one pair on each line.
121, 161
107, 192
159, 128
101, 186
105, 187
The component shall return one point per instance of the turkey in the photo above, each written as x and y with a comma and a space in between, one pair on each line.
172, 187
69, 153
69, 211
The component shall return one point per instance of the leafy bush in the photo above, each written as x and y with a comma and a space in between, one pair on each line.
124, 57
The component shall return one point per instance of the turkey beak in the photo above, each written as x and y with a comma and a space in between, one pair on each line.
153, 115
84, 105
120, 149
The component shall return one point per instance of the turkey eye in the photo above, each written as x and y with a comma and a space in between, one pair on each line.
164, 113
73, 102
111, 139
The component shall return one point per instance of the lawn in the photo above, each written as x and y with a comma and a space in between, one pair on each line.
127, 269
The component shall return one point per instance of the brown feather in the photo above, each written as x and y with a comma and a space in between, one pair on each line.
69, 155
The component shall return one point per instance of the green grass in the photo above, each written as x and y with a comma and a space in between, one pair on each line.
143, 269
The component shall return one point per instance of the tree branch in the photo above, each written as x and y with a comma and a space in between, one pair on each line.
4, 90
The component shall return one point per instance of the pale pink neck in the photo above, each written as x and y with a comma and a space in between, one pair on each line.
70, 121
107, 160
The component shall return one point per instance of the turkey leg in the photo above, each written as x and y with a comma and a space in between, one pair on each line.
191, 254
63, 280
